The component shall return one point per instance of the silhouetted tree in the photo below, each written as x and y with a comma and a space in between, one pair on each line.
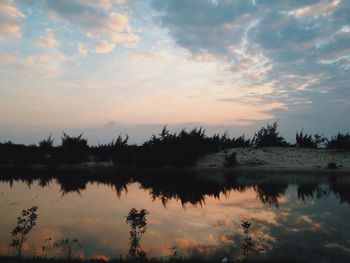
309, 141
224, 141
268, 136
138, 223
25, 223
46, 145
340, 141
121, 154
176, 149
72, 150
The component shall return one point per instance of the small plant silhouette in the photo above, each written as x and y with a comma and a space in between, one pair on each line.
138, 223
66, 245
247, 246
25, 223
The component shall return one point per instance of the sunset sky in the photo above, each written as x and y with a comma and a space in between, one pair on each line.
85, 65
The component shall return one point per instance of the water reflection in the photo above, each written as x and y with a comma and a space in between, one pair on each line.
197, 213
187, 187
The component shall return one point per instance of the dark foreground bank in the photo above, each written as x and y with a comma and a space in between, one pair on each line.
171, 260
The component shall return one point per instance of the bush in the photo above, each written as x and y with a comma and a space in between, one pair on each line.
117, 151
177, 149
332, 165
72, 150
6, 152
121, 152
309, 141
231, 160
340, 141
46, 145
19, 154
225, 142
27, 155
267, 137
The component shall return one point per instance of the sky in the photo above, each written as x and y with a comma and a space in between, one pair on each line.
111, 66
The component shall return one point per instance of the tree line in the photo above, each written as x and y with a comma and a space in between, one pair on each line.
165, 149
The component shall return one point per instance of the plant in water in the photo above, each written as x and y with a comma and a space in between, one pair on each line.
66, 245
25, 223
138, 223
247, 246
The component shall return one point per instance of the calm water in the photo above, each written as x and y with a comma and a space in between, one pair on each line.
306, 217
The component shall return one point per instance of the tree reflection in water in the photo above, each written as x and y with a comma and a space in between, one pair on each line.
186, 186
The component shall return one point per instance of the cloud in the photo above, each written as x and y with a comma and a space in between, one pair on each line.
45, 65
82, 51
98, 19
128, 39
104, 47
105, 4
10, 20
88, 15
299, 48
38, 58
47, 41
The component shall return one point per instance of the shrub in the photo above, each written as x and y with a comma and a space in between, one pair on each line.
268, 136
241, 142
117, 151
340, 141
72, 150
25, 223
121, 152
46, 145
6, 152
27, 155
332, 165
179, 149
225, 142
231, 160
309, 141
19, 154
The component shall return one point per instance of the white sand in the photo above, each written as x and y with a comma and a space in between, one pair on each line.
280, 158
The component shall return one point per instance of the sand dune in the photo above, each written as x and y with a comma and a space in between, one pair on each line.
280, 158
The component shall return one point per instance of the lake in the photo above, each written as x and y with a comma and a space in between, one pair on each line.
191, 213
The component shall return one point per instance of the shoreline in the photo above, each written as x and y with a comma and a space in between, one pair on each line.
237, 169
271, 160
